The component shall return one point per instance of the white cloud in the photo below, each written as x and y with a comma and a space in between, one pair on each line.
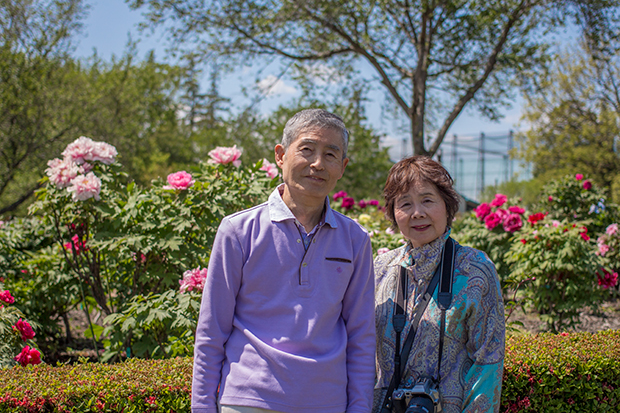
272, 86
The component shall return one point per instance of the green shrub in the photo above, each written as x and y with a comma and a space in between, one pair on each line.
131, 387
559, 258
549, 373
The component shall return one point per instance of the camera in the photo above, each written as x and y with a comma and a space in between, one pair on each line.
423, 397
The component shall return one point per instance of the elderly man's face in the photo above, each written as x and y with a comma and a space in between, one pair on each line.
313, 163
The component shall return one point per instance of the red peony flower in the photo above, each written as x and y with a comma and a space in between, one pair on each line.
534, 218
7, 297
607, 279
362, 204
587, 185
482, 210
512, 223
499, 200
516, 209
25, 329
348, 202
28, 356
339, 194
524, 241
492, 220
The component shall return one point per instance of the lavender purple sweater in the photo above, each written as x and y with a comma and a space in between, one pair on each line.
285, 329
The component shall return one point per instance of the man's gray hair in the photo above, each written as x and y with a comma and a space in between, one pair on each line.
311, 120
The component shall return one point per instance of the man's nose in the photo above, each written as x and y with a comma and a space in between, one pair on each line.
317, 162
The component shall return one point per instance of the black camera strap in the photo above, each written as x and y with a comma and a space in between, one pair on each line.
444, 273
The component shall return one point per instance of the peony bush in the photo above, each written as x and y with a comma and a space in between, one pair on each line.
16, 334
119, 252
491, 228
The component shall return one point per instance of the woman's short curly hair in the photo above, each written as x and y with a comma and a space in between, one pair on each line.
419, 168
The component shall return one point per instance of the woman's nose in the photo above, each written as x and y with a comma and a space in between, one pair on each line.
417, 212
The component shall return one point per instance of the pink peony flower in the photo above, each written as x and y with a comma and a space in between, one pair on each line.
579, 177
602, 249
193, 279
482, 210
587, 185
382, 250
28, 356
492, 220
85, 149
270, 168
6, 297
516, 209
612, 229
339, 194
179, 180
75, 243
607, 279
499, 200
550, 198
389, 231
224, 155
25, 329
362, 204
103, 152
555, 223
347, 202
502, 213
62, 171
512, 223
85, 187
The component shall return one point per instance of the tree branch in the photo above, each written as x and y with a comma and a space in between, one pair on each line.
489, 66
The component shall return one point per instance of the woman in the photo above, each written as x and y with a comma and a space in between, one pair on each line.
421, 202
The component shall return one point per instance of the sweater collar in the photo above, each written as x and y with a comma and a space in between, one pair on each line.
279, 211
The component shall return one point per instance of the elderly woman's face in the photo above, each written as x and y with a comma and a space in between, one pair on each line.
421, 213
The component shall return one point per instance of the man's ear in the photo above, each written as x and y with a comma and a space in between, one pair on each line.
345, 162
279, 153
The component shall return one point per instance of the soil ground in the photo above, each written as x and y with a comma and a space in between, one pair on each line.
606, 318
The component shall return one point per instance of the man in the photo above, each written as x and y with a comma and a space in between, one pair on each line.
287, 316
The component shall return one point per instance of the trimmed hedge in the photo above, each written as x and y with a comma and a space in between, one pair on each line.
548, 373
133, 386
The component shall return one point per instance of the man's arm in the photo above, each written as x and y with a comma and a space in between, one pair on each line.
216, 317
358, 312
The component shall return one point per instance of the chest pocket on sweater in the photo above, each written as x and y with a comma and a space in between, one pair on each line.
338, 272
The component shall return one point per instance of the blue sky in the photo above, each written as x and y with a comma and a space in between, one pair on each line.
110, 24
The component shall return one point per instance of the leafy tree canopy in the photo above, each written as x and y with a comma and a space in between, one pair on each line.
575, 120
433, 58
